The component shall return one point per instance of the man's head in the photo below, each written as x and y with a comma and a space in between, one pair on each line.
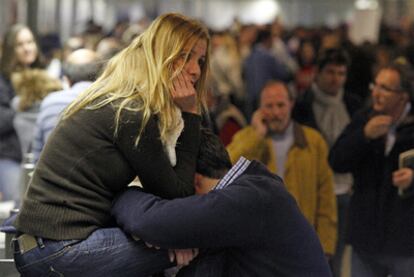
332, 70
276, 104
392, 89
264, 38
213, 162
82, 65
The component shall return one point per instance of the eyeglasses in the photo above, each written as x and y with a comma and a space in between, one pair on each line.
384, 89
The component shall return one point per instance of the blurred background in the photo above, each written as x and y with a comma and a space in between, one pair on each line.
69, 17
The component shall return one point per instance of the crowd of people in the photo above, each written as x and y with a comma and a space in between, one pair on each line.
306, 155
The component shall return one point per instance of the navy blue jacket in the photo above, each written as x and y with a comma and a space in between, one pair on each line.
380, 221
254, 217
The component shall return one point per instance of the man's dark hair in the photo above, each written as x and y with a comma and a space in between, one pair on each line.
334, 56
263, 36
213, 160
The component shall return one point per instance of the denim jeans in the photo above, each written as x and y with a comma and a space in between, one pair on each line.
9, 179
342, 202
106, 252
381, 265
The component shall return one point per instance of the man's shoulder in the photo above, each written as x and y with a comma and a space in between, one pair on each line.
260, 185
311, 132
257, 173
314, 138
244, 133
54, 97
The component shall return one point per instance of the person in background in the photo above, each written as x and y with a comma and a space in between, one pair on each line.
305, 74
259, 68
328, 108
226, 68
279, 48
226, 118
381, 221
242, 217
20, 51
80, 70
31, 86
146, 103
108, 47
296, 153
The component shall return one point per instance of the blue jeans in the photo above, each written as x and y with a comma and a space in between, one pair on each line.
106, 252
342, 202
9, 179
380, 265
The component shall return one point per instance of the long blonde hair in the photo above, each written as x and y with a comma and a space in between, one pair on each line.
139, 78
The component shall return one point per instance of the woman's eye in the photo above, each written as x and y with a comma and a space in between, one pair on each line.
188, 57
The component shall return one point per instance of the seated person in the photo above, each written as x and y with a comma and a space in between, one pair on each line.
245, 214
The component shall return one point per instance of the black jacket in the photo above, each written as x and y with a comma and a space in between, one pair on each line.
9, 142
380, 221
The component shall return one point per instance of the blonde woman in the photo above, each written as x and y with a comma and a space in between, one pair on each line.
140, 118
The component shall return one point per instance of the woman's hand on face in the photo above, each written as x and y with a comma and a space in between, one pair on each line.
184, 93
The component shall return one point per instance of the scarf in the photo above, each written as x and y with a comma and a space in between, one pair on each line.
331, 118
330, 114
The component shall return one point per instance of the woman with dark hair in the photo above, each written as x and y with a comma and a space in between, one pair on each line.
20, 51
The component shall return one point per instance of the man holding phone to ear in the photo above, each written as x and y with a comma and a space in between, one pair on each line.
296, 153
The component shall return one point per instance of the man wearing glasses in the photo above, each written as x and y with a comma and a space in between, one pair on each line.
381, 215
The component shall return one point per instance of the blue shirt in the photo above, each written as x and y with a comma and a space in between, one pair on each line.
49, 114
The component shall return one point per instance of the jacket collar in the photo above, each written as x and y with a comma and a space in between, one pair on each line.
299, 136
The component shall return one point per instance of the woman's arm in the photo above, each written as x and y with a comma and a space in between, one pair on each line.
150, 161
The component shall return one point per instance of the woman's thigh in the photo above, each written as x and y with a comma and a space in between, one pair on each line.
106, 252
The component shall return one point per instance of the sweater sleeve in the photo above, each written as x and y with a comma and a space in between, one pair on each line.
150, 162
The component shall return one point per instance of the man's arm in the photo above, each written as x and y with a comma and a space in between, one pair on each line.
158, 176
351, 148
221, 218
